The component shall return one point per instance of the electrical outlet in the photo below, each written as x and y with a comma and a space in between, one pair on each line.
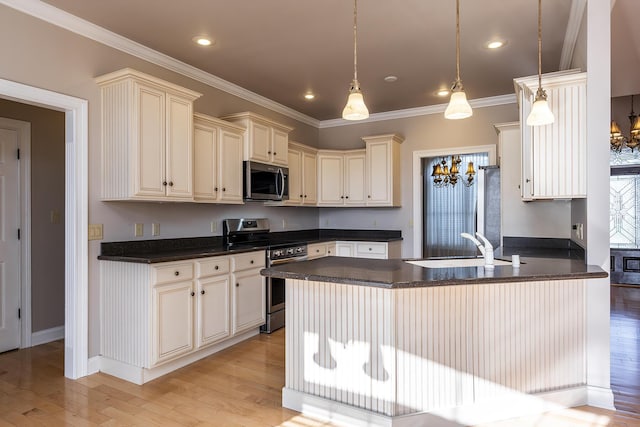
375, 223
155, 229
95, 232
214, 226
138, 230
284, 224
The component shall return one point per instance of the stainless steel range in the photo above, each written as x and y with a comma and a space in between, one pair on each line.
254, 233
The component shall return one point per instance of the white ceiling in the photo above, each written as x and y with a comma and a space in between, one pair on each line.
281, 49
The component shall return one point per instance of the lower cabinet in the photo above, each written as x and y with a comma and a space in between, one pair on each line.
321, 250
160, 317
379, 250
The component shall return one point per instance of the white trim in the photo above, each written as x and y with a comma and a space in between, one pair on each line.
483, 411
417, 183
47, 335
93, 365
421, 111
55, 16
76, 223
600, 398
571, 35
24, 191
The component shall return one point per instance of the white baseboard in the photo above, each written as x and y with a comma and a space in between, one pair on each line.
47, 335
93, 365
600, 398
515, 405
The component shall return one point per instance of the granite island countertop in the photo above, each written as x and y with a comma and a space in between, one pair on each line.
169, 250
396, 273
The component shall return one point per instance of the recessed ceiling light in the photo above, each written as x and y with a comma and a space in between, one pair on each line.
495, 44
390, 79
442, 92
309, 96
203, 41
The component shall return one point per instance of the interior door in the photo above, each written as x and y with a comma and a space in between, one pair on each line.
9, 243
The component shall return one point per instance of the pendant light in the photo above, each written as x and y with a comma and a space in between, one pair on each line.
540, 112
458, 107
355, 108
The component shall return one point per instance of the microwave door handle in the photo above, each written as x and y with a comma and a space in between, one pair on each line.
281, 192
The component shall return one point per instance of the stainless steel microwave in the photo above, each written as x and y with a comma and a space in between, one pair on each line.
265, 182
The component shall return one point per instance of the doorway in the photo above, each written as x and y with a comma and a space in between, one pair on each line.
76, 223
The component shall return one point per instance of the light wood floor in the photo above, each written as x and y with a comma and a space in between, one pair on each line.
240, 386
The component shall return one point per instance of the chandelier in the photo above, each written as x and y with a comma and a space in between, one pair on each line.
443, 175
618, 141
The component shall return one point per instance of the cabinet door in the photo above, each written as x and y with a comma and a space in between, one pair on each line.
279, 147
172, 320
379, 174
230, 167
330, 186
248, 300
345, 249
310, 178
296, 195
149, 130
205, 169
259, 142
354, 179
213, 318
179, 176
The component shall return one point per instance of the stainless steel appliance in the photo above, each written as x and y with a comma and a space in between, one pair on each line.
265, 182
254, 233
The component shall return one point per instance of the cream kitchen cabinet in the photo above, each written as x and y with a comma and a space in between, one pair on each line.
383, 170
303, 176
364, 249
554, 156
156, 318
249, 291
321, 250
341, 178
217, 166
147, 138
265, 141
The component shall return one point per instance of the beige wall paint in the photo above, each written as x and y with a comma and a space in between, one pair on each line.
47, 195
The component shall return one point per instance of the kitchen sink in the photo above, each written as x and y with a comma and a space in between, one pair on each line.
455, 262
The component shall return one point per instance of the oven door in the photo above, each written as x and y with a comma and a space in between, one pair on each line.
275, 287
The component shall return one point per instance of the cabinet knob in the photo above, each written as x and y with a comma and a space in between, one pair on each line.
216, 267
275, 154
369, 196
346, 197
342, 197
329, 251
215, 189
527, 180
251, 262
318, 250
193, 293
202, 292
268, 152
177, 273
237, 285
305, 196
301, 195
164, 183
224, 189
170, 183
369, 249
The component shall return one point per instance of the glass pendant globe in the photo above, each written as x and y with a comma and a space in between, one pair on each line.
540, 114
355, 108
458, 107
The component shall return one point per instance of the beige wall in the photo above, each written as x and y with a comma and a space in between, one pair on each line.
47, 195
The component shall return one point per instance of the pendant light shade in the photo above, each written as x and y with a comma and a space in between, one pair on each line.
458, 107
540, 114
355, 108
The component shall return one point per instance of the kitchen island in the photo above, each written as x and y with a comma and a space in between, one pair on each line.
385, 342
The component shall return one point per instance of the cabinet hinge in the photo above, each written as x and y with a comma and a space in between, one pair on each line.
18, 234
19, 314
18, 154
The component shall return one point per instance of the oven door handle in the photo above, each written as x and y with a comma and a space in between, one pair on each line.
288, 260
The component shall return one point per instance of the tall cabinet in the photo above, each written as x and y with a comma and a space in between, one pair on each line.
554, 157
147, 137
303, 175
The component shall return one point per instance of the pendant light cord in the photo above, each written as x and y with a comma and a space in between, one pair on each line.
457, 40
355, 40
540, 44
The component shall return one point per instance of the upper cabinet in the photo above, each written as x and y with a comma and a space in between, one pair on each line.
217, 162
265, 141
383, 170
303, 178
147, 138
554, 156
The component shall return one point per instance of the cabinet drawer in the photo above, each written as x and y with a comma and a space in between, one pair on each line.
317, 250
212, 266
376, 249
248, 261
173, 273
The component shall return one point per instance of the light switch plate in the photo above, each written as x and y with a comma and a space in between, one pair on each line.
95, 232
155, 229
138, 230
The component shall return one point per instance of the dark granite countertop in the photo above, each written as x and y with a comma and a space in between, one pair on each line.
396, 273
167, 250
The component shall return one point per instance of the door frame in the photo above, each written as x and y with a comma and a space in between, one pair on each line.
417, 183
76, 338
24, 194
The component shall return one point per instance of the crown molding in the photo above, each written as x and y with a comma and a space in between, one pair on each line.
571, 35
421, 111
62, 19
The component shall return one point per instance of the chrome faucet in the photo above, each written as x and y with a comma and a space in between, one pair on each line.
486, 250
